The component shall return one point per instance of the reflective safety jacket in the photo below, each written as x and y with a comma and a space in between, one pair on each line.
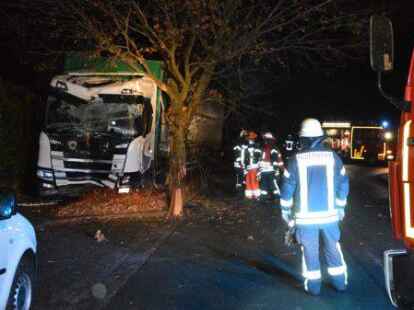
314, 186
251, 155
289, 145
238, 151
271, 158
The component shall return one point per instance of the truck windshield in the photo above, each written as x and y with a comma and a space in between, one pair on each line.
125, 115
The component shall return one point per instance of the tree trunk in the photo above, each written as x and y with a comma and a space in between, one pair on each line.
177, 170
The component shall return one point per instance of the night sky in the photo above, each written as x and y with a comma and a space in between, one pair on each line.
348, 93
351, 93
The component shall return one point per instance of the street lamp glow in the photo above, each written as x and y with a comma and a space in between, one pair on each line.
385, 124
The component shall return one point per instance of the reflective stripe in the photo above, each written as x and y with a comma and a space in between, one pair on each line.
406, 134
340, 202
265, 164
304, 268
256, 192
314, 221
264, 192
286, 174
312, 275
409, 230
248, 193
338, 246
336, 271
314, 215
286, 203
343, 171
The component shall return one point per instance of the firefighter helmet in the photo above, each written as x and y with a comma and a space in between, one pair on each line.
268, 135
243, 133
310, 128
252, 135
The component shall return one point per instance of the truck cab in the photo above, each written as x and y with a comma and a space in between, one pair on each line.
102, 127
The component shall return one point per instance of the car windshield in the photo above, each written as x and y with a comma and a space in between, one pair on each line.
126, 115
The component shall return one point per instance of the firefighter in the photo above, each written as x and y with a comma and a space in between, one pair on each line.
289, 146
271, 165
313, 198
251, 156
238, 160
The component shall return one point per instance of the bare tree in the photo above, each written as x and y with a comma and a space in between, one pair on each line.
197, 40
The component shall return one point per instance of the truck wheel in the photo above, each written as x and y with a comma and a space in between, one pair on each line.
21, 292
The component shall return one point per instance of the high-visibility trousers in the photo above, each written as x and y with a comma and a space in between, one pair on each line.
252, 190
309, 237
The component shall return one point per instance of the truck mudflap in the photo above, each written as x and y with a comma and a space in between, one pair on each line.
399, 277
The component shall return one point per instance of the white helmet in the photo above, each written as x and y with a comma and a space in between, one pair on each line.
310, 128
268, 135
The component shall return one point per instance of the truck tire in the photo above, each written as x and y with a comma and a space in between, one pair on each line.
21, 292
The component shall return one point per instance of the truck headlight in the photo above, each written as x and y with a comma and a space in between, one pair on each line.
44, 174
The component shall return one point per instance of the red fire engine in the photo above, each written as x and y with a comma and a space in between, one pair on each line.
398, 264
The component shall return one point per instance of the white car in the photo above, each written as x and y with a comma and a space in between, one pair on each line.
17, 255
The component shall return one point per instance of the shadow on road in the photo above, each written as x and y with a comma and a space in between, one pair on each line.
266, 263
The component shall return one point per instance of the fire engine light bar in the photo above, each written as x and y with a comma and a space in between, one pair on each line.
336, 125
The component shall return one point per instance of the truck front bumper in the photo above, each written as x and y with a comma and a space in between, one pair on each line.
399, 277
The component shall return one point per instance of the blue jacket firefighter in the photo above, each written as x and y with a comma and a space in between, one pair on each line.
314, 193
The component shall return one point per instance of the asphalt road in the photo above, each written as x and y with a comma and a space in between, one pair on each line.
234, 258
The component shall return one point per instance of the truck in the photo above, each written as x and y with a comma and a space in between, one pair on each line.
398, 263
105, 126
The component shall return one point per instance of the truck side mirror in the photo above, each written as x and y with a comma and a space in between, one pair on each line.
381, 44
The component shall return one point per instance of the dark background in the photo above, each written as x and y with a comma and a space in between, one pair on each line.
347, 92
